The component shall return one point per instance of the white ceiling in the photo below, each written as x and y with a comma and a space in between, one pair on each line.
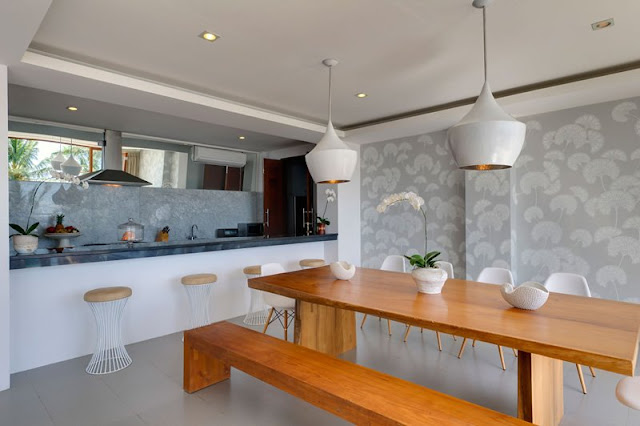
406, 54
38, 104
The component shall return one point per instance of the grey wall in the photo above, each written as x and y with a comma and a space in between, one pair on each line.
422, 164
576, 191
98, 211
570, 204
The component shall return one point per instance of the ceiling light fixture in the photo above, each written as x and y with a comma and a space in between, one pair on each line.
241, 138
361, 95
56, 162
331, 161
209, 36
71, 166
602, 24
487, 138
72, 108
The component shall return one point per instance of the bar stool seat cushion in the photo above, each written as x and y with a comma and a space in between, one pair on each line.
253, 270
107, 294
312, 263
199, 279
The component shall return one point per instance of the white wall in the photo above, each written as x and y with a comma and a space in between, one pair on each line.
349, 216
50, 322
4, 235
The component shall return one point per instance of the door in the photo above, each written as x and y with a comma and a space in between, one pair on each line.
274, 198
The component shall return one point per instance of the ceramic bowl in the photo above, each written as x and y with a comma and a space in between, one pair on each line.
343, 270
530, 295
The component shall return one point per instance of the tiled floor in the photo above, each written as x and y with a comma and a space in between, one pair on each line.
149, 391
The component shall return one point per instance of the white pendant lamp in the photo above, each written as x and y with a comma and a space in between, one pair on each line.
487, 138
331, 161
57, 161
71, 166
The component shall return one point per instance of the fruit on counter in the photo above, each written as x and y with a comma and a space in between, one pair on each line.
129, 236
59, 225
51, 230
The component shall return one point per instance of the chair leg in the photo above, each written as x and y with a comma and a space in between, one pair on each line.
581, 377
464, 343
501, 358
439, 341
421, 329
593, 372
364, 318
286, 324
389, 326
473, 345
454, 338
515, 352
266, 324
406, 333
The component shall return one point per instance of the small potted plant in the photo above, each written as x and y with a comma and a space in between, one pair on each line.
429, 278
25, 241
322, 220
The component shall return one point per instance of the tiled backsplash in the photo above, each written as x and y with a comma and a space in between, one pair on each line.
98, 210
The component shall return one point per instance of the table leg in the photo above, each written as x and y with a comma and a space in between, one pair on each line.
540, 398
324, 329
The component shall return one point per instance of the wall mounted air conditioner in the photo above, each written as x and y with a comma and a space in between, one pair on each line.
219, 157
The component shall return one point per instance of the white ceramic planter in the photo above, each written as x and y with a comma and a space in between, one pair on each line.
25, 244
343, 270
530, 295
429, 280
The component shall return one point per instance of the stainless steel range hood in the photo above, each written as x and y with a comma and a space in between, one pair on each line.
111, 173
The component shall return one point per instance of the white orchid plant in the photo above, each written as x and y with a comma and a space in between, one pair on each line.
55, 174
417, 261
331, 197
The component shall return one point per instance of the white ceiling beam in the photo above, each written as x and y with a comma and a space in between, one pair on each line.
19, 21
64, 76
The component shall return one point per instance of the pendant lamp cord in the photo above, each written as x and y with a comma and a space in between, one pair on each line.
484, 40
330, 68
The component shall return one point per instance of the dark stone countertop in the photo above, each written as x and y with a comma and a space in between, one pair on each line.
120, 251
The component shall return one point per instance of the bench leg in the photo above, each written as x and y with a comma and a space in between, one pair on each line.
324, 329
201, 370
540, 398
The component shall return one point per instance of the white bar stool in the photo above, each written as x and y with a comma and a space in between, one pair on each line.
311, 263
198, 288
258, 310
107, 305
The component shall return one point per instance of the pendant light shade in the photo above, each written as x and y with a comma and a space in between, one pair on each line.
57, 161
71, 166
487, 138
331, 161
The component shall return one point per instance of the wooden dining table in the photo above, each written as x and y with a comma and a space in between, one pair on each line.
588, 331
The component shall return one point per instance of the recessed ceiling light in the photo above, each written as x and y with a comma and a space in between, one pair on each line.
72, 108
361, 95
602, 24
241, 138
209, 36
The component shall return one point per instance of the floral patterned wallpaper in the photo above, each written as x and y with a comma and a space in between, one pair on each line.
422, 164
570, 204
576, 188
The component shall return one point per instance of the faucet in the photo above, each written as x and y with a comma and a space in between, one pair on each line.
193, 234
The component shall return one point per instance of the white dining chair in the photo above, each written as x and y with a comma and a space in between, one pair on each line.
628, 392
499, 276
448, 268
281, 307
576, 285
394, 263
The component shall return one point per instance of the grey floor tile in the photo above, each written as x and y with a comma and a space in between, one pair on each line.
142, 387
150, 390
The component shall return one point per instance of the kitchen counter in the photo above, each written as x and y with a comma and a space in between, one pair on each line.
120, 251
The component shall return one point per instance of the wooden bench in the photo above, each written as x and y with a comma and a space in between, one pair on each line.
355, 393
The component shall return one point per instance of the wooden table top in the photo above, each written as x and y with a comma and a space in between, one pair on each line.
588, 331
